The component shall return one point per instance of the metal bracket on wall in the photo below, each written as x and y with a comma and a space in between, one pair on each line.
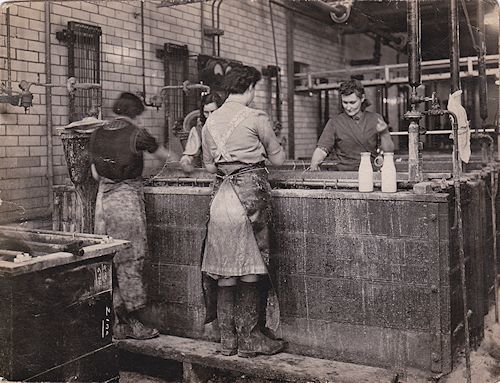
210, 32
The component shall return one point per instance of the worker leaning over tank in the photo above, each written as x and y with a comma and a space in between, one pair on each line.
116, 154
353, 131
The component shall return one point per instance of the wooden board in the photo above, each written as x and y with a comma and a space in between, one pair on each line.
282, 366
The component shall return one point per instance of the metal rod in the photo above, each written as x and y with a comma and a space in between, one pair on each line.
48, 107
454, 46
218, 26
49, 234
460, 234
278, 75
481, 52
494, 190
289, 32
9, 68
414, 54
142, 53
498, 110
414, 77
202, 27
294, 10
213, 26
437, 132
430, 64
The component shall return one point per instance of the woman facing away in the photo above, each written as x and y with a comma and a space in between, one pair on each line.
116, 152
237, 140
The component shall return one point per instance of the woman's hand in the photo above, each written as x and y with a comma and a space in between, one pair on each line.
187, 164
381, 125
318, 157
314, 167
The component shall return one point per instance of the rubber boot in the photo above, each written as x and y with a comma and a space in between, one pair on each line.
251, 341
263, 289
225, 316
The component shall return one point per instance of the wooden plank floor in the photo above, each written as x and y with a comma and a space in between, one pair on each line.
294, 368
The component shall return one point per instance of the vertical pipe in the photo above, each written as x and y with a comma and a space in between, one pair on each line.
202, 28
414, 51
9, 69
414, 77
498, 87
320, 115
218, 26
278, 74
454, 47
483, 86
142, 53
290, 83
454, 55
454, 86
213, 27
48, 106
494, 190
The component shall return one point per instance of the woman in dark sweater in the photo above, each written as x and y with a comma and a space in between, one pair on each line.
116, 151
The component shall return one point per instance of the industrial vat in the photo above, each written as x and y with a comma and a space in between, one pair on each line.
369, 278
56, 306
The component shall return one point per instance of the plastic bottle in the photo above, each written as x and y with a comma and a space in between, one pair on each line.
389, 183
365, 173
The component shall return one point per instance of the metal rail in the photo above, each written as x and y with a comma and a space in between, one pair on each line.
395, 73
439, 132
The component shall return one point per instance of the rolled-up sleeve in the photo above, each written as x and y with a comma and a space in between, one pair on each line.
266, 134
145, 141
326, 141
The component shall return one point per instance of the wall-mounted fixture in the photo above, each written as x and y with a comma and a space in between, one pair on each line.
211, 70
25, 97
340, 10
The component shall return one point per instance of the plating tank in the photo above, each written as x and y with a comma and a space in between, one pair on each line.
369, 278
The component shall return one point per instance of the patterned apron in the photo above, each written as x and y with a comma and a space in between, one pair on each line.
120, 213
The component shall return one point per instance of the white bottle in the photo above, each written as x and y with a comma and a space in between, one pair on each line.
365, 173
389, 183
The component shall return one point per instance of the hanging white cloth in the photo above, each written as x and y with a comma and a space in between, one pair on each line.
455, 106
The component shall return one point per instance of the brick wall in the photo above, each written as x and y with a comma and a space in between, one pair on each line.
248, 38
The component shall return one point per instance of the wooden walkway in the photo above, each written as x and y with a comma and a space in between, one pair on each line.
197, 355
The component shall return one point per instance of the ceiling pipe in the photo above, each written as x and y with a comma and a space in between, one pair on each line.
353, 22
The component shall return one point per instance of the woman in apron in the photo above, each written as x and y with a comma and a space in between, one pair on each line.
236, 142
116, 152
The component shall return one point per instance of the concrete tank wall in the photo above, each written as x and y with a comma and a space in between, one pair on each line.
365, 278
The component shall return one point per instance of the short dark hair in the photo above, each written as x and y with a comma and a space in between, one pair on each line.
208, 99
354, 86
240, 78
128, 104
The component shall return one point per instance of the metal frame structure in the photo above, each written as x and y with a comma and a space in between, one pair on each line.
394, 73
